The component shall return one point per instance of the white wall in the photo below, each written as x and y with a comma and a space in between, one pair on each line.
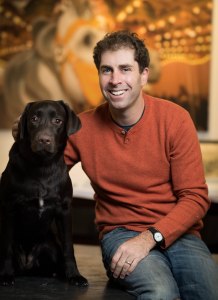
6, 141
213, 124
213, 107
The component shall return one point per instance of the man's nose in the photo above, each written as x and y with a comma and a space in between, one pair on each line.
116, 78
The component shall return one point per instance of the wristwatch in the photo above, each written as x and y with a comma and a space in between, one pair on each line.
157, 235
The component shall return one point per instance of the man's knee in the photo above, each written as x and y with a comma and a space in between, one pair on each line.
158, 293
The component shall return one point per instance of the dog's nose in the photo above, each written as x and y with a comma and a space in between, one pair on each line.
45, 139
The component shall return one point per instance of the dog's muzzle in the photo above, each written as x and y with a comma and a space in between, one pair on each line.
43, 143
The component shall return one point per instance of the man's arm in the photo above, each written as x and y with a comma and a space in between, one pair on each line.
188, 183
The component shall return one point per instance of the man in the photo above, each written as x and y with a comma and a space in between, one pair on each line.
143, 159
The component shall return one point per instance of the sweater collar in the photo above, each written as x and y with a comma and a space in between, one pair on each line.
115, 126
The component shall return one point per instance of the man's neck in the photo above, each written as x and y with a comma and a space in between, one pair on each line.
130, 116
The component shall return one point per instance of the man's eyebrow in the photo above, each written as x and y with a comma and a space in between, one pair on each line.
120, 66
126, 65
105, 66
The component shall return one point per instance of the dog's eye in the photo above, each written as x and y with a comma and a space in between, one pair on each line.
34, 119
58, 121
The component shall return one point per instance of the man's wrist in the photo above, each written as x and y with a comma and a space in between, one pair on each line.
157, 235
148, 237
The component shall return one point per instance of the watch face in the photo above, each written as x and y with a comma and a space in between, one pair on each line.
158, 237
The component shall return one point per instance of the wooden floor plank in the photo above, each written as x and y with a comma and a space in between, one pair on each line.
90, 265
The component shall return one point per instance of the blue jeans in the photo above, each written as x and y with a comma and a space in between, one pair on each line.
184, 271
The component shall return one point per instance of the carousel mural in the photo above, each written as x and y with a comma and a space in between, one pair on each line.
46, 51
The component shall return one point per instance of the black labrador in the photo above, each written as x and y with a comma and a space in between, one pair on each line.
36, 197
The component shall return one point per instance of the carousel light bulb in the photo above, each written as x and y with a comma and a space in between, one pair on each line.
136, 3
172, 19
196, 10
129, 9
121, 16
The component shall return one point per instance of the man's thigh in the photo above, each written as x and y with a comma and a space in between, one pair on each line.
186, 268
151, 279
195, 271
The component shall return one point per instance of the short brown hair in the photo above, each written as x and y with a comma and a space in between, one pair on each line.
122, 39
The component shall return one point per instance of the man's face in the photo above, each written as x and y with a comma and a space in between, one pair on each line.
120, 80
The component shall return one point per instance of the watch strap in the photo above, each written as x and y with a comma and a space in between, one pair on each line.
154, 231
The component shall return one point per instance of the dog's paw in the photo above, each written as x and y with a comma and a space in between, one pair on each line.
79, 281
7, 280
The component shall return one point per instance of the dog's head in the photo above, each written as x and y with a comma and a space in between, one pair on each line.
46, 125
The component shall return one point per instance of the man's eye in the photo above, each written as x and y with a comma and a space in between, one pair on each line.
106, 70
127, 69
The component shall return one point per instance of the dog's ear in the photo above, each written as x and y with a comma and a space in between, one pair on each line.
73, 122
22, 125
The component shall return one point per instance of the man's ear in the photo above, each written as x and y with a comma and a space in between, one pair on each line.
22, 125
144, 76
73, 122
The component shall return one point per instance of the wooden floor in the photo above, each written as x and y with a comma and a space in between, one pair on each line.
90, 266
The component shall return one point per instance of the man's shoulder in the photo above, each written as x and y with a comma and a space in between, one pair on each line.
95, 115
164, 105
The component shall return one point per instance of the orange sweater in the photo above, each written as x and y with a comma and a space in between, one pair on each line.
151, 175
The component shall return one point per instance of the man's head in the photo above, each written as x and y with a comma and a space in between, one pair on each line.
122, 39
122, 61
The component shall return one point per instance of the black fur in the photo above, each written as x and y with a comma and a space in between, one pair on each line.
36, 197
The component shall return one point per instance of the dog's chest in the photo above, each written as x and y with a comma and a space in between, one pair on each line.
38, 196
33, 209
41, 206
47, 205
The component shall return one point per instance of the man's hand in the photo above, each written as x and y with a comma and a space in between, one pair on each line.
130, 253
15, 128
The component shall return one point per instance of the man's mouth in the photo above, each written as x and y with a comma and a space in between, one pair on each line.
117, 93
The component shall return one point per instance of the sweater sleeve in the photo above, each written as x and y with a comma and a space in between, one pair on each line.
71, 155
188, 183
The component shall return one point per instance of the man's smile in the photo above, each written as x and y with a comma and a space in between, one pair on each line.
117, 93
